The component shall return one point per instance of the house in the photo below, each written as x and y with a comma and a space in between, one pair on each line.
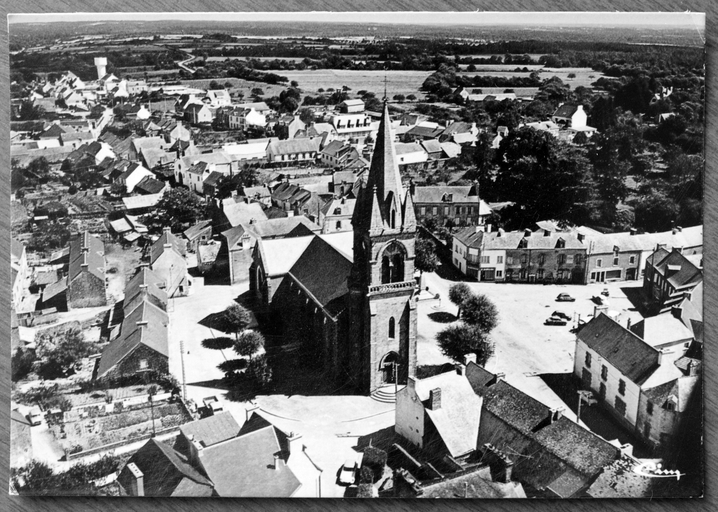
250, 152
86, 275
219, 98
351, 106
423, 131
142, 345
141, 144
544, 126
198, 114
259, 106
572, 118
233, 213
336, 215
150, 186
460, 132
134, 174
482, 255
292, 151
552, 455
198, 234
547, 256
337, 154
352, 127
613, 257
343, 182
242, 118
439, 415
167, 260
128, 227
158, 470
411, 153
669, 277
633, 377
255, 459
240, 240
192, 170
453, 206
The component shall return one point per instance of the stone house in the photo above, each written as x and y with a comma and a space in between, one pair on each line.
167, 261
86, 286
546, 256
453, 206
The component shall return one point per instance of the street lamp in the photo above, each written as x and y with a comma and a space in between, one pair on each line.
586, 396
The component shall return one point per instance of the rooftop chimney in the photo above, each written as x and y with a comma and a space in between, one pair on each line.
294, 441
500, 464
460, 369
554, 415
469, 358
137, 482
693, 368
634, 231
276, 462
435, 399
527, 232
250, 410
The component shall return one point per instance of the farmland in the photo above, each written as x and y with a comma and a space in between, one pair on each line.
397, 82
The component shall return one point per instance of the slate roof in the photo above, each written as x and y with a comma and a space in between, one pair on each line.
558, 455
425, 131
406, 148
147, 280
212, 429
280, 255
241, 212
170, 239
333, 148
431, 146
166, 472
194, 231
153, 335
213, 178
565, 110
326, 281
628, 353
687, 275
681, 389
345, 207
457, 420
274, 228
94, 256
149, 185
457, 127
474, 484
54, 289
293, 146
437, 194
244, 467
539, 240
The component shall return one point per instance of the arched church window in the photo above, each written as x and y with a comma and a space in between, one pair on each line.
392, 327
398, 268
385, 270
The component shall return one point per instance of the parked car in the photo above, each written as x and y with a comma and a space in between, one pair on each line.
561, 314
554, 320
350, 468
564, 297
35, 416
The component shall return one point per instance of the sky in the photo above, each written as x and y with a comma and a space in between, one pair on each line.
463, 18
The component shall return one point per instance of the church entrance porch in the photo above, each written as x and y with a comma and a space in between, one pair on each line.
389, 368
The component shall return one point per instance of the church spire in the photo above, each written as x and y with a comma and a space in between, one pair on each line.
384, 171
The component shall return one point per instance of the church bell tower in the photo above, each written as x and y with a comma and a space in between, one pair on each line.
382, 302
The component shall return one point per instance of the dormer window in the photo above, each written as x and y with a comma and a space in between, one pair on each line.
560, 243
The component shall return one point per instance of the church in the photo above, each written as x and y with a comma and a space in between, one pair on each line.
349, 299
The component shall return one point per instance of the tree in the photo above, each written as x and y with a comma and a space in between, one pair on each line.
411, 97
214, 85
178, 207
425, 256
294, 84
655, 211
479, 311
249, 343
21, 363
230, 366
228, 85
306, 115
257, 91
458, 294
460, 339
236, 319
60, 354
399, 97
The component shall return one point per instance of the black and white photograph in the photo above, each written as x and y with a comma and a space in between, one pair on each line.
357, 254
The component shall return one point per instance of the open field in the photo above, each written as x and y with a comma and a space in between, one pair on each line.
398, 82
